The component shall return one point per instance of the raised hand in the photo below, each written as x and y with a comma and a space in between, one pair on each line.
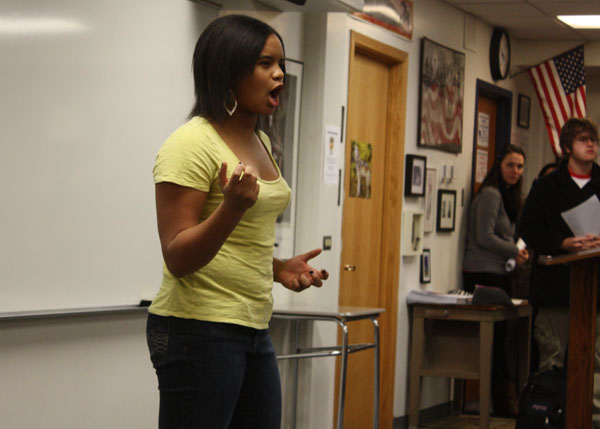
296, 274
240, 191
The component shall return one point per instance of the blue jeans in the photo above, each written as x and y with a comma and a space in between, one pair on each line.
214, 375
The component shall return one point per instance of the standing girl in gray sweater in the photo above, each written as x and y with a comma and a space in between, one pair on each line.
490, 244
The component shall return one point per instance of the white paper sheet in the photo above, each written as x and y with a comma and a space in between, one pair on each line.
483, 129
584, 218
481, 165
331, 155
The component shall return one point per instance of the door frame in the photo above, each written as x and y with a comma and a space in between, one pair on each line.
389, 266
504, 99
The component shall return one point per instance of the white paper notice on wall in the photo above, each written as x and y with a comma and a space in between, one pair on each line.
481, 165
483, 129
331, 155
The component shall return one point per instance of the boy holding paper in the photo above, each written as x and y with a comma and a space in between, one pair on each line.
555, 220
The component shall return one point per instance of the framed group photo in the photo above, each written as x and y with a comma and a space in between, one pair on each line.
446, 210
414, 179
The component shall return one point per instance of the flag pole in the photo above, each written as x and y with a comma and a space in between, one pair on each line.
542, 62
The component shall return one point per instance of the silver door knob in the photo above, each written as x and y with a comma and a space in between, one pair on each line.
349, 267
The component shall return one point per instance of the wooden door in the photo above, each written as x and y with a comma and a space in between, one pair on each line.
371, 219
485, 143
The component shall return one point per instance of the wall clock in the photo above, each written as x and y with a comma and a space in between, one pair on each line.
499, 54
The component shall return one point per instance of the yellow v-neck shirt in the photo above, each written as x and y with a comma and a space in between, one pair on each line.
235, 287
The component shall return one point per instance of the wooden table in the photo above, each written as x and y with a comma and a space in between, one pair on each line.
582, 333
455, 340
341, 315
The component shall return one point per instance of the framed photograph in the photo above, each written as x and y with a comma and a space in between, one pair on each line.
426, 266
523, 111
414, 179
446, 210
441, 94
430, 187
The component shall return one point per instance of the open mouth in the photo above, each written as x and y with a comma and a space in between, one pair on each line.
274, 95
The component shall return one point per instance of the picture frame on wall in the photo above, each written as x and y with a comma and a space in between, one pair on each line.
425, 276
446, 210
523, 111
414, 179
441, 97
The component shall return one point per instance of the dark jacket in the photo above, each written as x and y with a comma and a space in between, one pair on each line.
543, 229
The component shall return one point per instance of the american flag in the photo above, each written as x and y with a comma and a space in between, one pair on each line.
560, 86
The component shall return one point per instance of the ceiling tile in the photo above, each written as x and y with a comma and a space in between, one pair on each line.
535, 33
543, 28
590, 34
533, 19
570, 8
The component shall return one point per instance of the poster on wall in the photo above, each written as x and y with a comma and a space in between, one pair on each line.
481, 165
331, 154
441, 97
394, 15
360, 169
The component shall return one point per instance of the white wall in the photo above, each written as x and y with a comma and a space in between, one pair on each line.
90, 372
527, 53
593, 97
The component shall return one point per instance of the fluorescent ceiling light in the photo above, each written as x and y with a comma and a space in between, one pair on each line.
38, 25
581, 21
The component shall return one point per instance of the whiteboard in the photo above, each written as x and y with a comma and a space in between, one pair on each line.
89, 90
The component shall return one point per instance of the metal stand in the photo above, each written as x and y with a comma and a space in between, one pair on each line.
341, 316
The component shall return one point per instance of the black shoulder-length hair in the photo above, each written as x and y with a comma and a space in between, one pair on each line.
226, 52
511, 195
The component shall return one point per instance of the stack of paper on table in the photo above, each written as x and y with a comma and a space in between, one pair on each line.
429, 297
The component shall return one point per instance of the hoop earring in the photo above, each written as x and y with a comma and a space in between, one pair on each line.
231, 111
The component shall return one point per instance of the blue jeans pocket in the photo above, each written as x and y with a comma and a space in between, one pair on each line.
157, 337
